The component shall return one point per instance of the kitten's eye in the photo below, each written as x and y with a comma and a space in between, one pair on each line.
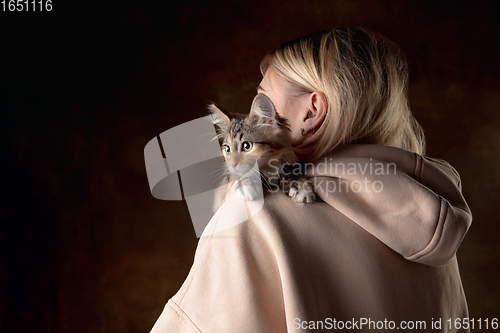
227, 149
247, 146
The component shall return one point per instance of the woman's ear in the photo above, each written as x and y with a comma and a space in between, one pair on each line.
318, 106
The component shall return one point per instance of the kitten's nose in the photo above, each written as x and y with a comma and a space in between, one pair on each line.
234, 164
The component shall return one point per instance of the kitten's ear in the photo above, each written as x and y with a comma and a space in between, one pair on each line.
262, 109
220, 117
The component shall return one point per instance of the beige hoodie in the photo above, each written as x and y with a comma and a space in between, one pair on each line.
376, 253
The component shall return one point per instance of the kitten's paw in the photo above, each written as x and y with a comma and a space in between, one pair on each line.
293, 191
303, 196
302, 192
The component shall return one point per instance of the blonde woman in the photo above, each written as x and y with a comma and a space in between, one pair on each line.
376, 251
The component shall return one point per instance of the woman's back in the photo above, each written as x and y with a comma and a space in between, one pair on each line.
345, 262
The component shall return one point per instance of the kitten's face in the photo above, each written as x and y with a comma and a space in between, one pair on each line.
258, 138
242, 147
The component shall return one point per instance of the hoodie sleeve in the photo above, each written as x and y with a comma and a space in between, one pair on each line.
411, 203
454, 216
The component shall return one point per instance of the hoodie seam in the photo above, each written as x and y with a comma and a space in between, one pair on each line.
417, 171
182, 314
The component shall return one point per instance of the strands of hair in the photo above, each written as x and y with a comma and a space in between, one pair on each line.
364, 77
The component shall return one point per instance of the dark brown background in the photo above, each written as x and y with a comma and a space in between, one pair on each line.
84, 245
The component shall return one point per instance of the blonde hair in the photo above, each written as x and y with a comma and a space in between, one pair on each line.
364, 77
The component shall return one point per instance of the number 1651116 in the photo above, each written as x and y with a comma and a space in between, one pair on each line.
26, 5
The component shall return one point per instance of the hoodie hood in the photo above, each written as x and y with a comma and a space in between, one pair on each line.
411, 203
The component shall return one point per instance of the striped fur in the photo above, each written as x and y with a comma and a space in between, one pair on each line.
269, 137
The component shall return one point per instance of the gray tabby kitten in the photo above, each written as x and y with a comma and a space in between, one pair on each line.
261, 137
